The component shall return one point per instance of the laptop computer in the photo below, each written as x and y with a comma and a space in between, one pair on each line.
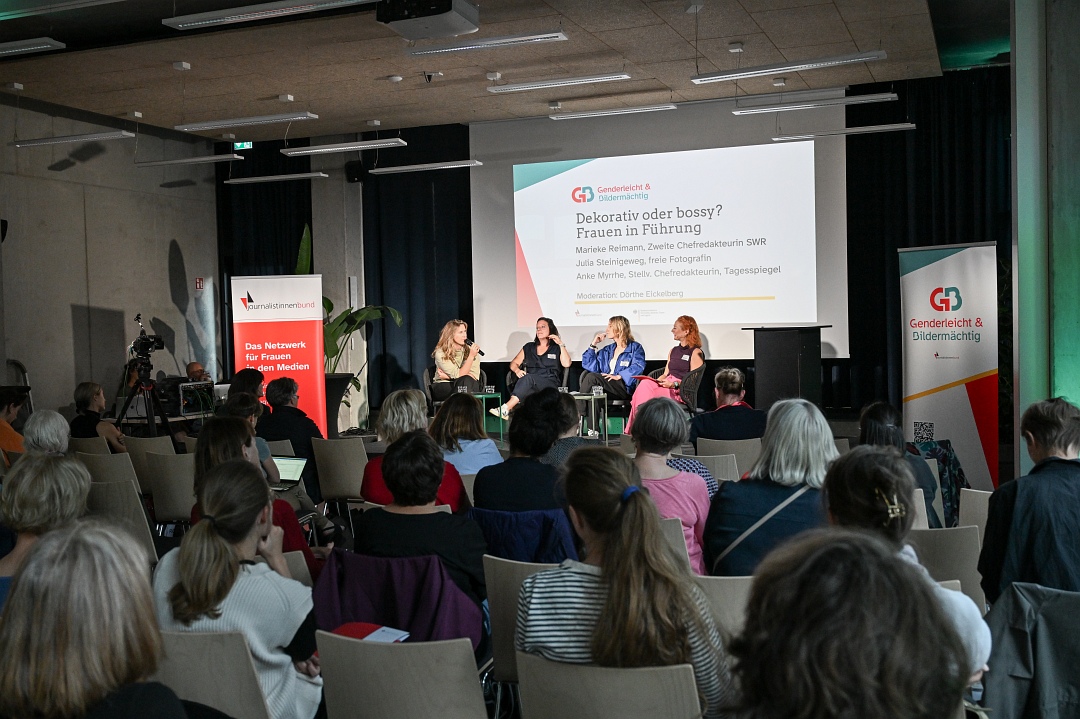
290, 469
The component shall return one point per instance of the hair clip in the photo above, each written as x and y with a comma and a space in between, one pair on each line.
894, 508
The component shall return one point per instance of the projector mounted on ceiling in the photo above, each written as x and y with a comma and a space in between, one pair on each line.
428, 19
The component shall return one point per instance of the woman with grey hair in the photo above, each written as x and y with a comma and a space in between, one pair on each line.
46, 431
778, 498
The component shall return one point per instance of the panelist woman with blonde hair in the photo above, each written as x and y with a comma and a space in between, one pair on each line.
456, 362
613, 366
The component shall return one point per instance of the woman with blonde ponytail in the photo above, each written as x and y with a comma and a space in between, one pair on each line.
212, 584
633, 601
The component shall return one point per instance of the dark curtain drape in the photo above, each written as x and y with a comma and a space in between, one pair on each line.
417, 253
259, 225
947, 182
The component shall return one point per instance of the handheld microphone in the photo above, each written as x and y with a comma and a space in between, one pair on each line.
469, 343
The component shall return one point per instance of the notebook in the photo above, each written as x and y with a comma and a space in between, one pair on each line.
290, 469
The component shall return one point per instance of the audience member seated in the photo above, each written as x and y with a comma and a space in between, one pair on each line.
404, 411
212, 584
632, 602
224, 439
249, 381
41, 493
733, 418
871, 489
779, 498
458, 428
411, 526
246, 406
79, 631
287, 421
90, 403
195, 372
570, 432
840, 627
46, 431
880, 424
660, 428
11, 401
1033, 524
523, 483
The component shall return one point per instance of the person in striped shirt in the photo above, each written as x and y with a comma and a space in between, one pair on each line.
596, 611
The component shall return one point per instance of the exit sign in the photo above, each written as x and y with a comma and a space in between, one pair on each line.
241, 146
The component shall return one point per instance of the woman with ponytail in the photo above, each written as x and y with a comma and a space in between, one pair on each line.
633, 601
212, 584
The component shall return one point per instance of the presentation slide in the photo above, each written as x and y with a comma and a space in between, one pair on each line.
727, 235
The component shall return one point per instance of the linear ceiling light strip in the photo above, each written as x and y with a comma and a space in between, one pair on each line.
245, 121
51, 8
38, 44
428, 166
762, 70
65, 139
613, 111
865, 130
563, 82
275, 178
489, 43
191, 160
344, 147
815, 104
252, 13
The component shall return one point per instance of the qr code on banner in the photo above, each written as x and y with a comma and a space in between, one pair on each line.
924, 431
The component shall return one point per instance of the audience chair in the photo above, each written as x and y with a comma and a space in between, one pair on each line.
137, 449
503, 578
172, 485
341, 472
951, 553
190, 443
298, 568
746, 451
974, 506
843, 445
215, 669
728, 597
952, 584
922, 519
721, 466
110, 468
119, 502
399, 680
672, 529
556, 690
468, 480
626, 445
89, 445
281, 448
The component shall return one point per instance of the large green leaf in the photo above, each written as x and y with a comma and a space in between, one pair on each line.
337, 330
303, 257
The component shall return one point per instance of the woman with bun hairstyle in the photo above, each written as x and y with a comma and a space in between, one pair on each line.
456, 361
733, 418
633, 601
537, 365
684, 358
213, 584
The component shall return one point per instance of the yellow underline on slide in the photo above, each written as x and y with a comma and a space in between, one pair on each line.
957, 383
673, 299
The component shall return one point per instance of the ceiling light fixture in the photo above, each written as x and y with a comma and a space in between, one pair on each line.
344, 147
243, 121
761, 70
38, 44
64, 139
864, 130
191, 160
491, 42
612, 111
250, 13
815, 104
275, 178
563, 82
428, 166
51, 8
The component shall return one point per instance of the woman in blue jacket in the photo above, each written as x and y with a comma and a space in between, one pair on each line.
613, 366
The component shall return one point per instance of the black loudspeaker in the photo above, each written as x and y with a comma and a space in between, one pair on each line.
355, 172
3, 230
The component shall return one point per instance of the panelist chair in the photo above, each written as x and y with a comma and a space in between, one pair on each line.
688, 389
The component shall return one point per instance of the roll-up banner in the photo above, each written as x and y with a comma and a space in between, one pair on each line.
278, 330
949, 302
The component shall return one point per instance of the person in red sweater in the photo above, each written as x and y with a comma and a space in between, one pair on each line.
402, 412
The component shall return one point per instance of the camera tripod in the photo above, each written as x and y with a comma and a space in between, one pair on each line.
144, 387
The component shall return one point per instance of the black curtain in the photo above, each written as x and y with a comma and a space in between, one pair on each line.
417, 252
947, 182
259, 225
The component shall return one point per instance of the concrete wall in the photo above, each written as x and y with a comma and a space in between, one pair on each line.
92, 241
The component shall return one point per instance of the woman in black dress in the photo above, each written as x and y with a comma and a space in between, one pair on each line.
539, 364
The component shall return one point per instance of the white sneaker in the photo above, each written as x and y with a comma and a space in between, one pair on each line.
501, 412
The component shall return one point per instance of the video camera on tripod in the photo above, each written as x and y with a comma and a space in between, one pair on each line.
142, 347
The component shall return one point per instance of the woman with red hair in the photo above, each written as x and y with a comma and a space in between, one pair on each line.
683, 359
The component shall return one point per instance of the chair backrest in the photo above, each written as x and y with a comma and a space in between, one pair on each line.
688, 388
399, 680
951, 553
341, 466
939, 504
139, 447
974, 506
425, 384
281, 447
843, 445
215, 669
89, 445
673, 533
720, 466
119, 502
503, 578
298, 568
110, 468
626, 445
556, 690
746, 451
953, 584
172, 485
190, 443
468, 480
922, 519
728, 597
